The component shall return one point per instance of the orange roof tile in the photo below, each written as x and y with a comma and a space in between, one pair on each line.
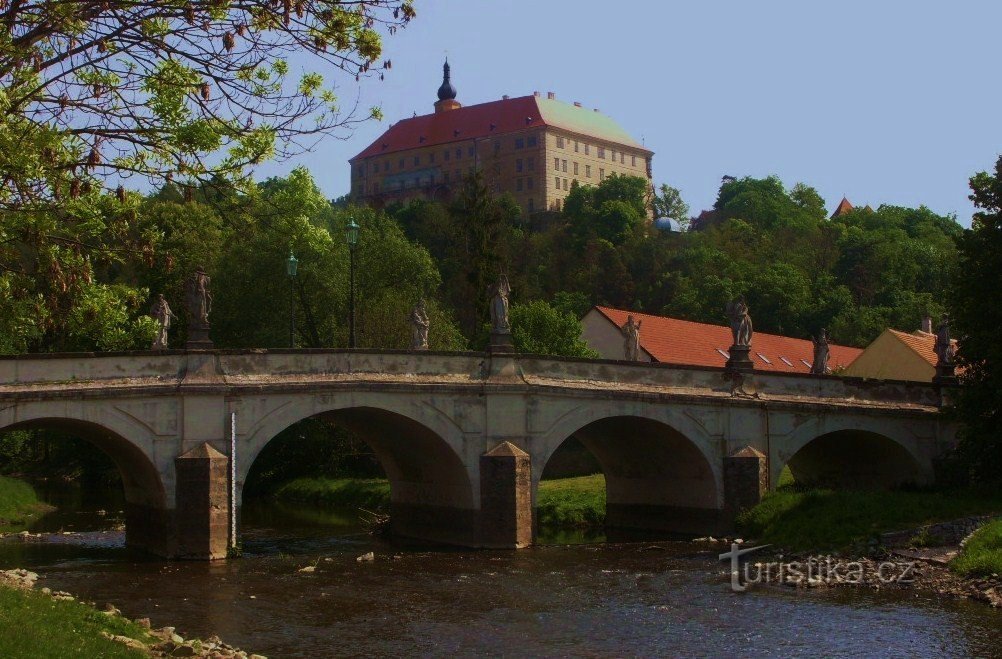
843, 207
675, 341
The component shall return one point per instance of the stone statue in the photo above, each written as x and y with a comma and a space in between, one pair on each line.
741, 323
631, 339
821, 353
419, 327
198, 300
499, 306
945, 350
161, 313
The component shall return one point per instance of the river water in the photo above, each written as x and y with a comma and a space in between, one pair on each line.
642, 599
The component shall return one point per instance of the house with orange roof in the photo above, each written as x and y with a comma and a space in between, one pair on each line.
687, 343
897, 355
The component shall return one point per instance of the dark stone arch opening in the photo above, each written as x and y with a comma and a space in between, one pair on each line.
148, 522
431, 496
854, 459
656, 478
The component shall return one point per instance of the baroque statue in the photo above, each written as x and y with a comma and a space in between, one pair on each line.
499, 306
740, 321
198, 299
631, 339
160, 312
419, 327
945, 350
822, 353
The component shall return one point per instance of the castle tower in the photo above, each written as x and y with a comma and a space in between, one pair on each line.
446, 93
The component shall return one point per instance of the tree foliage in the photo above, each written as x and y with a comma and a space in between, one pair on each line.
976, 306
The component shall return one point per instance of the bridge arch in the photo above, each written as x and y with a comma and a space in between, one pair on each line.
662, 471
148, 515
431, 487
855, 453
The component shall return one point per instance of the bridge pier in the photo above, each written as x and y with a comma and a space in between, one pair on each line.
203, 508
505, 498
746, 480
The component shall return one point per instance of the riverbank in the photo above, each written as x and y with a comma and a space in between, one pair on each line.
799, 519
571, 503
44, 623
19, 505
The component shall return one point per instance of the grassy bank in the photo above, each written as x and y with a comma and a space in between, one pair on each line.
565, 502
982, 553
819, 519
35, 625
371, 494
572, 502
18, 505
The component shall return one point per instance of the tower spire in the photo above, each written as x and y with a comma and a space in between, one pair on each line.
447, 92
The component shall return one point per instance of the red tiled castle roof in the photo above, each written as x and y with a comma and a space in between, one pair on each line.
675, 341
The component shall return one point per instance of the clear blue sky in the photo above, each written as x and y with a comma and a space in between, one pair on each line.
884, 101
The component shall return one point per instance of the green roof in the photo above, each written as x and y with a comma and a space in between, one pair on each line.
584, 121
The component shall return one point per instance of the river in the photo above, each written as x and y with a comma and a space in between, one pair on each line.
642, 599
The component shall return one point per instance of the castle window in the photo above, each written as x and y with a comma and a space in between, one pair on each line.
459, 154
530, 182
472, 152
556, 182
622, 158
563, 167
518, 166
587, 149
520, 143
417, 160
518, 185
575, 146
556, 164
560, 142
575, 169
601, 152
601, 175
447, 154
532, 164
565, 184
532, 140
587, 171
613, 155
531, 205
633, 160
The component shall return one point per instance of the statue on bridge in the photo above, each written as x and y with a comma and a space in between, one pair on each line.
501, 340
946, 351
419, 327
499, 305
198, 301
161, 312
741, 331
740, 320
631, 339
822, 353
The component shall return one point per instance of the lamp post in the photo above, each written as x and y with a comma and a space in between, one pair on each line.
351, 235
291, 267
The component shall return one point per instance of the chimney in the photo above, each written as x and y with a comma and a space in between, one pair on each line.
927, 324
551, 96
596, 109
536, 94
505, 97
577, 104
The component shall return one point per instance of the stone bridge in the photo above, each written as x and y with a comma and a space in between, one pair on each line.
464, 437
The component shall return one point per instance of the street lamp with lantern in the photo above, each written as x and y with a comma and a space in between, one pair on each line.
291, 267
351, 235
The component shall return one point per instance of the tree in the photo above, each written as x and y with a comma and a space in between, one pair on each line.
976, 308
669, 204
540, 329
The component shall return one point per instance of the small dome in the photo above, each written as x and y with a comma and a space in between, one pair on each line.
663, 224
446, 92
